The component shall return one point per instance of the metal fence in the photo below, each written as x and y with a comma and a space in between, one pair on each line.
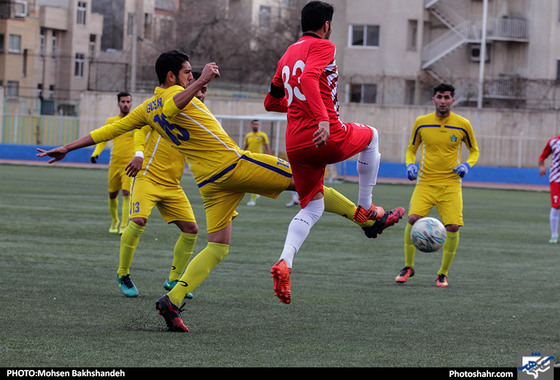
521, 150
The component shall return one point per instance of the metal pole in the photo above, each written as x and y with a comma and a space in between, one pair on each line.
133, 54
482, 54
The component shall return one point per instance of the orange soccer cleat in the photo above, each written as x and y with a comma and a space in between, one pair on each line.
282, 282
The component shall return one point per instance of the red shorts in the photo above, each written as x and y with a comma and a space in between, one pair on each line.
554, 194
308, 165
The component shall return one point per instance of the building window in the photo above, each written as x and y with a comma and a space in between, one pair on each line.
412, 37
264, 16
558, 69
92, 46
364, 35
12, 89
130, 21
2, 42
81, 13
363, 93
79, 65
24, 64
54, 41
42, 43
14, 44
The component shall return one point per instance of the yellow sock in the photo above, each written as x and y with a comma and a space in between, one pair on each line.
449, 249
129, 242
113, 209
338, 204
253, 197
197, 270
125, 210
181, 255
409, 248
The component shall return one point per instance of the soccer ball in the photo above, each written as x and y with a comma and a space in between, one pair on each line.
428, 234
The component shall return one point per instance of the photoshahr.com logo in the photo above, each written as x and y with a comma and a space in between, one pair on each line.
533, 365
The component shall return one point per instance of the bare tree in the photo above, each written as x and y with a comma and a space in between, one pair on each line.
246, 52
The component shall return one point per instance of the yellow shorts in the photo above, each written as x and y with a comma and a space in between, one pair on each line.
253, 173
447, 199
118, 180
171, 201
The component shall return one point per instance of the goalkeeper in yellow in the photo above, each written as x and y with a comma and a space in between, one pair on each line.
121, 153
224, 173
439, 136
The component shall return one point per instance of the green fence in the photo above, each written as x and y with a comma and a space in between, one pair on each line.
39, 130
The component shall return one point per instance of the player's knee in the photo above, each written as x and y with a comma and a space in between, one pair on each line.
413, 218
452, 227
139, 221
189, 228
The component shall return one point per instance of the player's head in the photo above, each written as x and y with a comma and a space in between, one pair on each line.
124, 101
201, 95
255, 124
171, 61
314, 15
443, 99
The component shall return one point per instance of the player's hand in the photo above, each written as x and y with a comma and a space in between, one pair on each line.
322, 133
542, 171
412, 172
209, 72
57, 154
93, 159
462, 170
134, 166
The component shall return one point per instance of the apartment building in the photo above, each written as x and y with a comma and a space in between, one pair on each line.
50, 46
392, 52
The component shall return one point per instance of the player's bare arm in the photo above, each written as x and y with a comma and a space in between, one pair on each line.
60, 152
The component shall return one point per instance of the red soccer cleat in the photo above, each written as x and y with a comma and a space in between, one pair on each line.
389, 219
282, 283
171, 313
361, 215
406, 273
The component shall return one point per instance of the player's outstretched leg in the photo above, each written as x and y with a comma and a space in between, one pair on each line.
171, 313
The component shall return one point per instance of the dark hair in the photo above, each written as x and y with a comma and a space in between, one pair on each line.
122, 94
171, 60
442, 87
314, 14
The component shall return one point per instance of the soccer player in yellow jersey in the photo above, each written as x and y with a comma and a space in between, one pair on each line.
256, 142
224, 173
121, 153
440, 136
158, 168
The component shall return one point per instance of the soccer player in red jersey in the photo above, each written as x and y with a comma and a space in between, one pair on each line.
552, 148
305, 86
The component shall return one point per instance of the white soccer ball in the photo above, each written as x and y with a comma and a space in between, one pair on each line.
428, 234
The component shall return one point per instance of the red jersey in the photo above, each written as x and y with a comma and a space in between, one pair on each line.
308, 74
552, 147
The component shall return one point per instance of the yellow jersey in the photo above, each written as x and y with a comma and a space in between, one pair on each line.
441, 141
193, 131
163, 163
256, 141
123, 146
